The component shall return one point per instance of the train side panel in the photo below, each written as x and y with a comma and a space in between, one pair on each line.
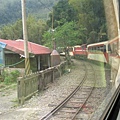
97, 57
80, 50
114, 57
98, 52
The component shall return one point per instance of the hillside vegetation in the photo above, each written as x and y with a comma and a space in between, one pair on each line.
73, 22
10, 10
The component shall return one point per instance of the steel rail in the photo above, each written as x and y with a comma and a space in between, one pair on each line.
81, 107
65, 100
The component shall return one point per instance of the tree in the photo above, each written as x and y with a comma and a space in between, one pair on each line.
47, 39
35, 30
65, 36
62, 12
92, 37
10, 10
69, 34
91, 15
12, 31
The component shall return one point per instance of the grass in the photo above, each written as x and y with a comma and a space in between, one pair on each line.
3, 86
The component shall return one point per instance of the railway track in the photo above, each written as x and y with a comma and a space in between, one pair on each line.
71, 107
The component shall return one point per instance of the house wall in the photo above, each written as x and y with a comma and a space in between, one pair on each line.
14, 61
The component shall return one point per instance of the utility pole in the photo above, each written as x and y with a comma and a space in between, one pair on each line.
25, 37
53, 39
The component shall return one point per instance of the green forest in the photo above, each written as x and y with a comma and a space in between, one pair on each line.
64, 22
10, 10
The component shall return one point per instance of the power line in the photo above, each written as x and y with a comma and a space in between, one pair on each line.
44, 5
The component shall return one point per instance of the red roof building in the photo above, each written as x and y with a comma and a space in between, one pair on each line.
17, 46
11, 52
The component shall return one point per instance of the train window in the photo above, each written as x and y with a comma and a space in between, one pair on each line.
91, 49
109, 47
83, 47
104, 48
70, 49
97, 48
94, 49
101, 48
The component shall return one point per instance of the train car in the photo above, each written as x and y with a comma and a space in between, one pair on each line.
98, 51
114, 56
106, 52
80, 50
114, 52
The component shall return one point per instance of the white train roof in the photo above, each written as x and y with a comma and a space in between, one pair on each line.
98, 44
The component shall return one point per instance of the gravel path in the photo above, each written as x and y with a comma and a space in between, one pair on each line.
39, 105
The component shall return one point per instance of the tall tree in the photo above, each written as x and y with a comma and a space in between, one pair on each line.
62, 12
66, 35
91, 16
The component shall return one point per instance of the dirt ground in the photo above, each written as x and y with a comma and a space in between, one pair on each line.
8, 98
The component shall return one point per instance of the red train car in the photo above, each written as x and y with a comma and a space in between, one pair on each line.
80, 50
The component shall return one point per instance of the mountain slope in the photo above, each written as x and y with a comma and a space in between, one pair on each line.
10, 10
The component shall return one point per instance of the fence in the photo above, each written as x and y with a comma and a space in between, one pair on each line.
29, 85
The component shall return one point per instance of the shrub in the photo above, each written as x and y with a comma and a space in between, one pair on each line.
10, 77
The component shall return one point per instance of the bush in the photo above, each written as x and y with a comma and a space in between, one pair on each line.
10, 77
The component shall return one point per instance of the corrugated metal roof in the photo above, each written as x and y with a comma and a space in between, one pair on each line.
17, 46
